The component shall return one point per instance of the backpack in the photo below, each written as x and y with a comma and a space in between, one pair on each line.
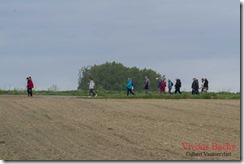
206, 83
171, 84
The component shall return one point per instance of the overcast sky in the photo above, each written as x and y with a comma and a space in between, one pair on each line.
51, 40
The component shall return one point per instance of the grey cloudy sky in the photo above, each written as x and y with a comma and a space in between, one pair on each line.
52, 40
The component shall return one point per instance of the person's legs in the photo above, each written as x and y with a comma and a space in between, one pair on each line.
205, 89
197, 91
30, 90
131, 92
158, 90
170, 90
93, 93
177, 90
128, 91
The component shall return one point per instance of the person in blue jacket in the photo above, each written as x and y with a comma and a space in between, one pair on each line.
129, 87
170, 85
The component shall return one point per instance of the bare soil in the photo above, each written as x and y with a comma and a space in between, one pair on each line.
60, 128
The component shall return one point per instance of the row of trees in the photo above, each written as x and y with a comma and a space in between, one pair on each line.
113, 76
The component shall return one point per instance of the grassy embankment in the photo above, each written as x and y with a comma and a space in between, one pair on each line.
122, 94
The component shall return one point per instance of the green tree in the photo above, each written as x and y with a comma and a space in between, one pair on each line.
113, 76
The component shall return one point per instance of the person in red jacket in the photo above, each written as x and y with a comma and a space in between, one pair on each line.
163, 86
30, 86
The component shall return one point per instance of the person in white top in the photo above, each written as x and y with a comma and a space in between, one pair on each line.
91, 87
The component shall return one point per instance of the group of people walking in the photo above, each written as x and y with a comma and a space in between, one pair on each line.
162, 84
195, 86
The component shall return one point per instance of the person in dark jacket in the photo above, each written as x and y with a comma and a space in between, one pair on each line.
204, 85
159, 82
177, 86
27, 86
195, 86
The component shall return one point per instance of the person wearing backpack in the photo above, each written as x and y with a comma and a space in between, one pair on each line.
129, 87
177, 86
205, 85
132, 83
170, 85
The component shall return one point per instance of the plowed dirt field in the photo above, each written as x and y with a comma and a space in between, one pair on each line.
63, 128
